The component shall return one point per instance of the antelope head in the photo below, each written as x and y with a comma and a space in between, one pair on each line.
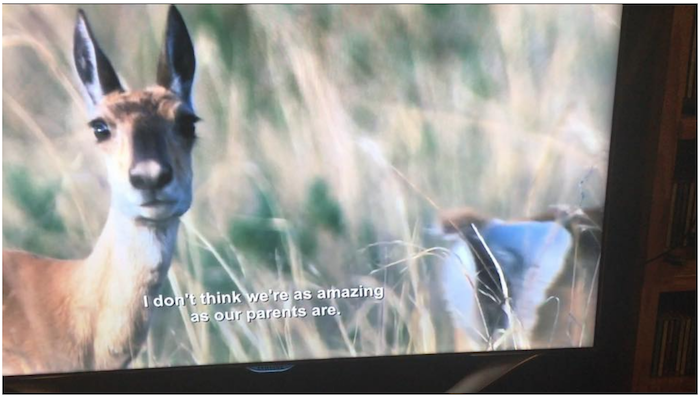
145, 136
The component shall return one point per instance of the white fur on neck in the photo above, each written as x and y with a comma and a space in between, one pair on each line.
130, 260
128, 245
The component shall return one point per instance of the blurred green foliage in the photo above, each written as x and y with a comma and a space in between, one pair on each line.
257, 234
37, 201
322, 209
472, 34
241, 45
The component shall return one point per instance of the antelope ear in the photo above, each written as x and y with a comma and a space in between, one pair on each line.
177, 62
94, 69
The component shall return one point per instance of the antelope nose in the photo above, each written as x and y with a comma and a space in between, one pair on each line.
150, 175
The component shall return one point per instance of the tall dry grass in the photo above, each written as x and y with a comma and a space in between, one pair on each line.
331, 135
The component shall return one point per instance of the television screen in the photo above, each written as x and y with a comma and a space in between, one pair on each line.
220, 184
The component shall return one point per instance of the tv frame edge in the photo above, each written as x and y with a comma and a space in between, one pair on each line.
607, 366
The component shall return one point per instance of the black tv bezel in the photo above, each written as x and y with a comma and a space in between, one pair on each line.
606, 366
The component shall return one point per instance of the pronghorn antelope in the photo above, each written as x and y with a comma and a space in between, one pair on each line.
88, 314
499, 272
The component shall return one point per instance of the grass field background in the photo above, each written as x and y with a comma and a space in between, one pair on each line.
330, 137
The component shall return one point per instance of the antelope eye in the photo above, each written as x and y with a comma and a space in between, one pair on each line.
101, 129
186, 126
187, 129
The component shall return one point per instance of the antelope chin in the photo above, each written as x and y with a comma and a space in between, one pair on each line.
159, 211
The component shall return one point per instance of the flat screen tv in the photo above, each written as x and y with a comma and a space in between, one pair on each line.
232, 197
